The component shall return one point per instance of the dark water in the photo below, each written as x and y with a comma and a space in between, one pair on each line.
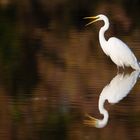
53, 71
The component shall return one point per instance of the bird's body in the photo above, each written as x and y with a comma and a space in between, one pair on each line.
116, 49
121, 55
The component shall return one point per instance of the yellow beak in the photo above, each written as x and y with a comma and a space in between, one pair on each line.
96, 18
91, 121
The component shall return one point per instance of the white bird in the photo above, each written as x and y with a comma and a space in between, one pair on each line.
117, 50
116, 90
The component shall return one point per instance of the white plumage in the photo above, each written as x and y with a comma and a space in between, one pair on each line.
121, 55
116, 49
119, 87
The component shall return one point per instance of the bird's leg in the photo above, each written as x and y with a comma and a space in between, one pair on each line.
117, 69
123, 67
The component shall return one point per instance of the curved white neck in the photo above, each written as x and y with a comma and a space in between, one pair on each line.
102, 39
104, 112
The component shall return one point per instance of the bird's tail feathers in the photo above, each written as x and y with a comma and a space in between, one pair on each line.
136, 66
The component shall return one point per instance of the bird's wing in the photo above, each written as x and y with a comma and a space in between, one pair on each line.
118, 46
119, 87
120, 50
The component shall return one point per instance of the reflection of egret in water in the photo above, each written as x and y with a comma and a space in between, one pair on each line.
118, 88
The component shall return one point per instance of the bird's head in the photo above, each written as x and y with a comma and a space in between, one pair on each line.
95, 18
93, 122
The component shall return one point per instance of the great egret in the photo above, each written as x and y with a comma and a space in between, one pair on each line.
118, 51
116, 90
